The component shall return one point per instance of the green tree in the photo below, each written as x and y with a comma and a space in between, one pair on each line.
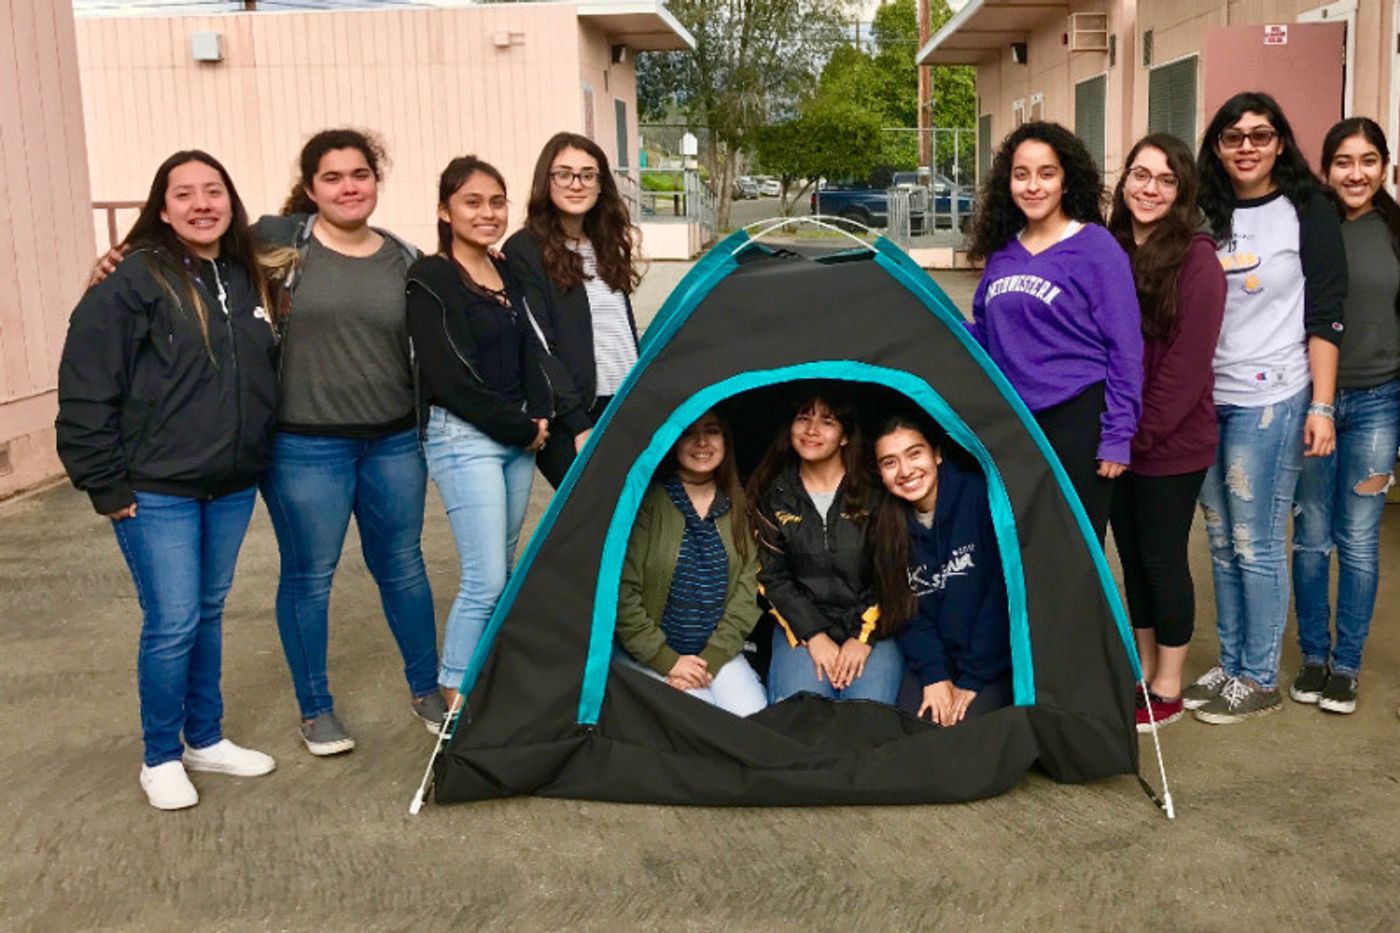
753, 61
831, 138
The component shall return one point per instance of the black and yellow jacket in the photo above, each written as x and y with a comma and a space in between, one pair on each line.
814, 575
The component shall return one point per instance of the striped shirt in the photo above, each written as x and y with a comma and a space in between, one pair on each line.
700, 584
614, 346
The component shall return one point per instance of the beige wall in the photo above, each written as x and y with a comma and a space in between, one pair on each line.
433, 83
44, 246
1179, 28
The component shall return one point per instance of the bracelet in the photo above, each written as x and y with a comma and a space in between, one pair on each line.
1322, 409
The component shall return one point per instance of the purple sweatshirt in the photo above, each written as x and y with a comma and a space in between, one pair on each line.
1062, 320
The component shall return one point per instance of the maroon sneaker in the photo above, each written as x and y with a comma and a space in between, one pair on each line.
1164, 712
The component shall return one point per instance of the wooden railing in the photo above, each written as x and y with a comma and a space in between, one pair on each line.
111, 208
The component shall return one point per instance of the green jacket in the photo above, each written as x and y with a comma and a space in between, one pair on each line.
652, 551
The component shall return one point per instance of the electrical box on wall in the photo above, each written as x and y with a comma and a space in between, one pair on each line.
207, 46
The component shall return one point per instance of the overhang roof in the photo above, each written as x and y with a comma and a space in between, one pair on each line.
644, 25
985, 27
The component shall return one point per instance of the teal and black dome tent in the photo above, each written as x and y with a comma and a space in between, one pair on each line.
549, 713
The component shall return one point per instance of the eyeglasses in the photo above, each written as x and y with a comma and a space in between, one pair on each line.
1259, 136
565, 178
1141, 176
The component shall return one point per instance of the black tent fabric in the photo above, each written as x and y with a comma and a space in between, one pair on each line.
548, 712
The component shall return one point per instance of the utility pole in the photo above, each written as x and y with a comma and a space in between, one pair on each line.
925, 80
250, 6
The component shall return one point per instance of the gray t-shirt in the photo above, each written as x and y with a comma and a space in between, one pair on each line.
345, 367
823, 500
1371, 348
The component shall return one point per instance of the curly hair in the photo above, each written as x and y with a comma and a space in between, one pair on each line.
1370, 131
1290, 173
607, 224
368, 144
997, 218
1157, 262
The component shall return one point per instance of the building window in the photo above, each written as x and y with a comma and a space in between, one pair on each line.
1089, 116
1037, 108
1171, 99
984, 147
588, 110
1018, 112
620, 109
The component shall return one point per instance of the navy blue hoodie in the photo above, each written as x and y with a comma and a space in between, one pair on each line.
961, 630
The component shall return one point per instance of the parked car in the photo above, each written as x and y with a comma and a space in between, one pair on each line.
770, 187
745, 188
865, 202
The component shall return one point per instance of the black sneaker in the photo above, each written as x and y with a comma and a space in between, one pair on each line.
1339, 696
1240, 700
1307, 686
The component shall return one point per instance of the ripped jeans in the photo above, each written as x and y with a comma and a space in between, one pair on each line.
1246, 500
1338, 505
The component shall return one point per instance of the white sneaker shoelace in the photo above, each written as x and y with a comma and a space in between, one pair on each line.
1235, 692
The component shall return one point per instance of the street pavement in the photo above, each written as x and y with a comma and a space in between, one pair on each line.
1288, 821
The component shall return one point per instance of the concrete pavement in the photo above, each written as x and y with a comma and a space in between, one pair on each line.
1289, 820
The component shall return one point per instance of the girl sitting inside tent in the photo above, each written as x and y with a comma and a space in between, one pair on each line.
937, 572
809, 513
687, 597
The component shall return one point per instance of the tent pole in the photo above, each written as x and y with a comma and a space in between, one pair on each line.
1166, 800
449, 726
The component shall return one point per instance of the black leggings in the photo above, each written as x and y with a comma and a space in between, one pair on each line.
1073, 430
557, 455
1151, 525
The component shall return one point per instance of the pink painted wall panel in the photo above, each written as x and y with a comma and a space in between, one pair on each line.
45, 247
433, 83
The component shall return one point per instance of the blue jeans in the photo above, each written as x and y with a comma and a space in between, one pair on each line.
315, 483
1330, 512
485, 487
181, 553
791, 671
1246, 499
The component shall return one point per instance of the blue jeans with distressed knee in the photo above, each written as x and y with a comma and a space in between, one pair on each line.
1333, 512
1246, 499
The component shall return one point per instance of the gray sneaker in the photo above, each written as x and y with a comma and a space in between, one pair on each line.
1206, 688
432, 709
1307, 686
324, 735
1239, 700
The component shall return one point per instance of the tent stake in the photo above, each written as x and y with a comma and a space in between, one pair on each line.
449, 726
1165, 801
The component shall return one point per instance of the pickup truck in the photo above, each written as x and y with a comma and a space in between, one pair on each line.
944, 194
862, 203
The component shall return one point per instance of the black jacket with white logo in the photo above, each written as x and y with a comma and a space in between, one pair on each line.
145, 404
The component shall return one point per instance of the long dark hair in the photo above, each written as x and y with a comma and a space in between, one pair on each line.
726, 481
1290, 172
368, 145
997, 218
607, 224
457, 173
1370, 131
887, 535
780, 456
169, 259
1157, 261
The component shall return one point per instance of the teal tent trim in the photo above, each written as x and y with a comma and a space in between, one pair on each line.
639, 477
897, 262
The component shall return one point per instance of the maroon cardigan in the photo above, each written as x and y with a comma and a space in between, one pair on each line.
1177, 430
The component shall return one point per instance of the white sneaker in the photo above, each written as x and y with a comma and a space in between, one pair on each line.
167, 786
223, 757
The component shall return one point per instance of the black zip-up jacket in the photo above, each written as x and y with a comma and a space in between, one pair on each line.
814, 575
567, 321
143, 404
441, 310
